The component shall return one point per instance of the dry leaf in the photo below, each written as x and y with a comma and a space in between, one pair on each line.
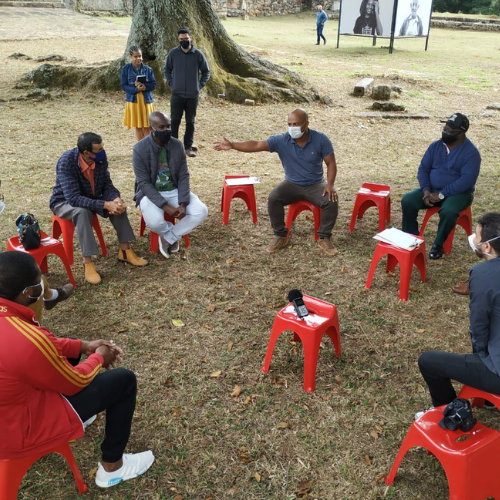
92, 473
120, 293
176, 411
380, 478
178, 322
216, 374
304, 487
178, 497
282, 425
211, 308
257, 477
374, 434
236, 391
247, 400
230, 261
367, 460
419, 330
229, 347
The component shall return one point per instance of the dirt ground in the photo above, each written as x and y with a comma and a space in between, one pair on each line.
273, 440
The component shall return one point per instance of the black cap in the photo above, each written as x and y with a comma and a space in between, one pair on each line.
457, 121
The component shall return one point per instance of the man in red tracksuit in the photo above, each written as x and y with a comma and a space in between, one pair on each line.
45, 396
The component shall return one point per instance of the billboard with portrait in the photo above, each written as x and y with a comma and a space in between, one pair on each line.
366, 17
413, 18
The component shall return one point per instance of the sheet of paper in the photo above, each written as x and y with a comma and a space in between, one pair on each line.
242, 181
398, 238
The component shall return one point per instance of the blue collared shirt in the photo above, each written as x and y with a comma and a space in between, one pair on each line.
303, 165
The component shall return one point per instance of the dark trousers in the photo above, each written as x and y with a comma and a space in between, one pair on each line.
449, 210
178, 106
113, 391
440, 368
287, 193
319, 31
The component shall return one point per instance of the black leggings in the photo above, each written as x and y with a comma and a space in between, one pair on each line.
114, 391
440, 368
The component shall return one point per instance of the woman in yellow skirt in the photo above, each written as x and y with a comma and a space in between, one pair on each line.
138, 81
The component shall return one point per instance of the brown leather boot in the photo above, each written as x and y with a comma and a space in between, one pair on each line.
131, 258
461, 288
91, 274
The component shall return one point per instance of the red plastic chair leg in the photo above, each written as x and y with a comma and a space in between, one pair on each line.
13, 471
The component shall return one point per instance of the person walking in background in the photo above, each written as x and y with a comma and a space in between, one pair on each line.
321, 19
138, 81
186, 72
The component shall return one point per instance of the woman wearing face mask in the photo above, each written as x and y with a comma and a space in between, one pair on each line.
481, 369
138, 81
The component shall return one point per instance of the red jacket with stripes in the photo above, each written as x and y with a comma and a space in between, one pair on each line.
34, 375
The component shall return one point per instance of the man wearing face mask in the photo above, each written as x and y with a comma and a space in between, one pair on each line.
83, 187
162, 185
447, 176
302, 152
47, 396
481, 369
186, 72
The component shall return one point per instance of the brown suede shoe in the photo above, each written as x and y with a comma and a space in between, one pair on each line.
91, 275
131, 258
326, 246
461, 288
276, 243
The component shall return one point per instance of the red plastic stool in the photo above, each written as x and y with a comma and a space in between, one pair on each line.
67, 229
245, 191
13, 471
154, 245
405, 258
372, 195
471, 459
478, 396
322, 319
299, 206
464, 220
47, 246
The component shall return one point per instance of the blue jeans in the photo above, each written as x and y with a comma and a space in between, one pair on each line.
319, 30
178, 106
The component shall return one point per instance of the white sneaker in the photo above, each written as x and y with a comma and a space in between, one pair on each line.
420, 413
88, 422
164, 246
134, 464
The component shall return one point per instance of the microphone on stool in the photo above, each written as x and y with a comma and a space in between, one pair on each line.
296, 298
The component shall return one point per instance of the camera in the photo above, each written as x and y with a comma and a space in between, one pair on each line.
458, 415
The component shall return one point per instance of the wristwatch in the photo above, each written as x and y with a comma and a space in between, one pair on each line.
441, 196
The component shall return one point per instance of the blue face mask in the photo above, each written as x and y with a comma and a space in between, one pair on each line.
99, 157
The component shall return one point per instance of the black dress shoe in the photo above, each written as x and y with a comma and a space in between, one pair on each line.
62, 294
436, 252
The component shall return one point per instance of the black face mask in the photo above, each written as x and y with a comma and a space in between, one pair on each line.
185, 44
448, 138
163, 136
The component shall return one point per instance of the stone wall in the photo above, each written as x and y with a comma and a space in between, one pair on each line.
243, 8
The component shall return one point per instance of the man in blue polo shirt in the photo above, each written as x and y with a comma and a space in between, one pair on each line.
302, 151
447, 176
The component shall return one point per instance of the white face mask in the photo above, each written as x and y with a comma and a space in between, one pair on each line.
295, 132
474, 247
34, 286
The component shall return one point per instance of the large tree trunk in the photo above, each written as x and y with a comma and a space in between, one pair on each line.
234, 72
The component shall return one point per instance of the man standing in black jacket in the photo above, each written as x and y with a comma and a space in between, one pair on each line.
186, 72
